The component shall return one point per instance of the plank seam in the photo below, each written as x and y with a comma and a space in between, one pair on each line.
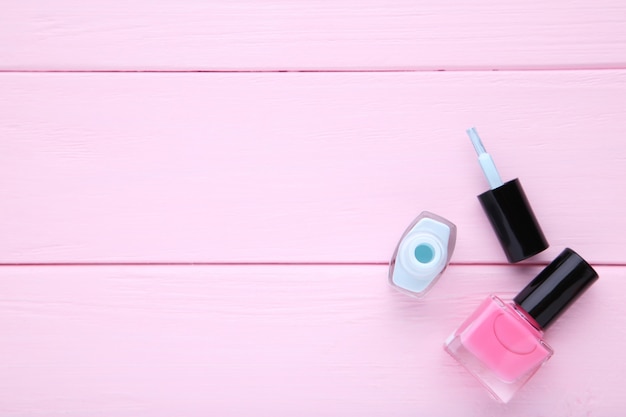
79, 264
348, 71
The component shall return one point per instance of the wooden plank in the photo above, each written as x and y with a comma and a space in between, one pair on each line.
316, 340
307, 167
337, 35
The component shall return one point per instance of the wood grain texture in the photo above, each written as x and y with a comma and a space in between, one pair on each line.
178, 163
337, 35
309, 167
277, 340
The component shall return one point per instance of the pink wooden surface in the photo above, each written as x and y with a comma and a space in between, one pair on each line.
281, 340
310, 177
301, 167
295, 35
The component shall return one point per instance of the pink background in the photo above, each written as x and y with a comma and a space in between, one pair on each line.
200, 198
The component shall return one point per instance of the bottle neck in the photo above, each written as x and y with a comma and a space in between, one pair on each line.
527, 317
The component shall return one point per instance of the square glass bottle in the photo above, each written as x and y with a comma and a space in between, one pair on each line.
501, 343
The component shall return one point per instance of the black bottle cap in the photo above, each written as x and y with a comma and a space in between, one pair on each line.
556, 287
513, 221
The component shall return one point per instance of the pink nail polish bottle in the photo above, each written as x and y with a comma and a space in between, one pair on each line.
501, 343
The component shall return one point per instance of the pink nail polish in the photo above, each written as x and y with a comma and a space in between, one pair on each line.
501, 343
